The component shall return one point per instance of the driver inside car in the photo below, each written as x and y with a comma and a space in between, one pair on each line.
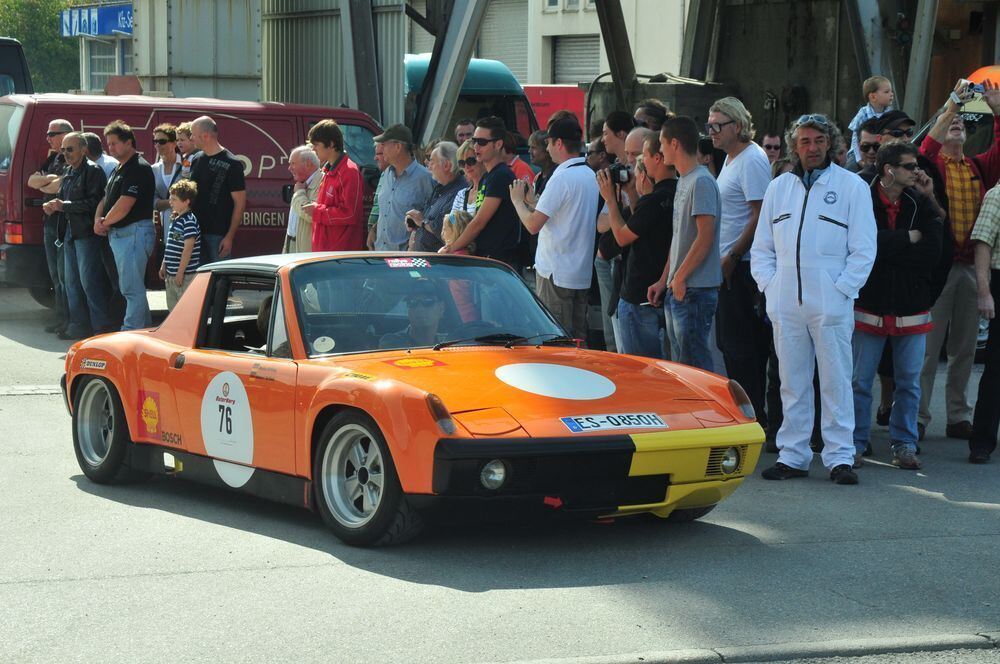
424, 308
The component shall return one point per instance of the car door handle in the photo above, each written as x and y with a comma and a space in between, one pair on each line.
178, 360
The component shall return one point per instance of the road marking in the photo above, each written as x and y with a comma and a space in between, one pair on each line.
28, 390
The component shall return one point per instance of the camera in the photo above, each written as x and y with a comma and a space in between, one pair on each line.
620, 173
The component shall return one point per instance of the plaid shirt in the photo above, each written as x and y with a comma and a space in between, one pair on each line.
964, 195
987, 228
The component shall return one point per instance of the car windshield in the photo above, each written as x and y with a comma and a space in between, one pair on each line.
353, 305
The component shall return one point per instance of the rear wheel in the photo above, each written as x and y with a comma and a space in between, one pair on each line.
357, 489
44, 296
689, 514
100, 433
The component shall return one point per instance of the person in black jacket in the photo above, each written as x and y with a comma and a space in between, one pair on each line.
88, 291
895, 302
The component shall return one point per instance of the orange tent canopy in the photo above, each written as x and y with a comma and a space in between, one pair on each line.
991, 72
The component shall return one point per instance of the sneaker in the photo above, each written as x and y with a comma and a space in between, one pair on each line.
780, 471
979, 456
961, 430
905, 459
921, 430
843, 474
882, 416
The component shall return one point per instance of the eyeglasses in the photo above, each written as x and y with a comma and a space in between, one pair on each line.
772, 147
484, 141
163, 141
471, 161
813, 118
716, 127
899, 133
52, 134
911, 166
869, 147
421, 301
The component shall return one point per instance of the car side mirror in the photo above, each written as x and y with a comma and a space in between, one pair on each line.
286, 193
371, 175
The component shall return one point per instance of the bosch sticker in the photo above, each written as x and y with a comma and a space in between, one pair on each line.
407, 262
227, 428
416, 363
149, 414
96, 365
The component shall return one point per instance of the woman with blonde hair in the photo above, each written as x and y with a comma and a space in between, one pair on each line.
474, 171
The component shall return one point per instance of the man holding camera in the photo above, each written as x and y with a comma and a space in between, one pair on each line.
955, 312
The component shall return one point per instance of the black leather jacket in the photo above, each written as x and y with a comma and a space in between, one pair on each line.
81, 191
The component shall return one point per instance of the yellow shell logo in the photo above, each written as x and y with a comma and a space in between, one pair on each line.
415, 363
150, 414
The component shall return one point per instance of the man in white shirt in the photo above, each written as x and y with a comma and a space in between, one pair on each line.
565, 220
743, 335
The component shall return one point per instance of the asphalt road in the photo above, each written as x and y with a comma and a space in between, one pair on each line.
171, 571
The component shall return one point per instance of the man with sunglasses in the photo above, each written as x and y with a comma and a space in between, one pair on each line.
955, 312
47, 180
812, 252
424, 310
88, 291
869, 142
771, 143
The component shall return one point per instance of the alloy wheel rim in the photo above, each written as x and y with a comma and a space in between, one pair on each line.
352, 478
96, 428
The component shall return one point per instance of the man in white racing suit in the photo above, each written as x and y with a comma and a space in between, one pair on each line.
812, 252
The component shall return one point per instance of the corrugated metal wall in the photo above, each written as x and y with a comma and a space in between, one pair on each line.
302, 50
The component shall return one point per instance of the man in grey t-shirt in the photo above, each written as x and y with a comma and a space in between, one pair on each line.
693, 273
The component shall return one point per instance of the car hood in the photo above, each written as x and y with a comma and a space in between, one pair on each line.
529, 390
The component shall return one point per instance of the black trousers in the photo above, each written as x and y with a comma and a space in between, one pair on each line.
744, 337
986, 420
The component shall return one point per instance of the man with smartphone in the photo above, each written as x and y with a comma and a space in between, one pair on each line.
955, 312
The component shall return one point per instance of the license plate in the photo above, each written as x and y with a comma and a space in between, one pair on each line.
582, 423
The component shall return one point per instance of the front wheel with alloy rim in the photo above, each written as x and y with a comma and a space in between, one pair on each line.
100, 433
357, 489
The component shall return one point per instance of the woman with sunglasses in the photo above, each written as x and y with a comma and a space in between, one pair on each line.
167, 168
894, 304
465, 199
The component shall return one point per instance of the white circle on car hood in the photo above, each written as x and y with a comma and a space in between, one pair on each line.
556, 380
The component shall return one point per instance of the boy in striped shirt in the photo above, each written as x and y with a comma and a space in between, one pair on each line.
181, 255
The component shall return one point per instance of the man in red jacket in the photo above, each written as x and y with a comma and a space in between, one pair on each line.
338, 213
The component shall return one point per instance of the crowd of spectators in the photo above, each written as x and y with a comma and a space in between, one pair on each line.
810, 262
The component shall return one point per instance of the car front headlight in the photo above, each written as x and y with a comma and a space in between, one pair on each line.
742, 400
730, 461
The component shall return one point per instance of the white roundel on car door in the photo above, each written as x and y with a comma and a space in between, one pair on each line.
556, 380
227, 428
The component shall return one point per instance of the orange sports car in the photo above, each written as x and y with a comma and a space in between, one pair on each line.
369, 386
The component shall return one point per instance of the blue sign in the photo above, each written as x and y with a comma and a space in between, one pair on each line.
107, 20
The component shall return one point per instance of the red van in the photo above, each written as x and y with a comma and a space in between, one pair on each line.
261, 135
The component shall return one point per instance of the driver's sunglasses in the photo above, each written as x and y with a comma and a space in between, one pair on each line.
484, 141
163, 141
421, 301
471, 161
899, 133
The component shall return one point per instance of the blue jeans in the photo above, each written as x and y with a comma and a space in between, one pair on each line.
210, 248
640, 330
907, 360
54, 260
689, 324
132, 246
602, 268
87, 290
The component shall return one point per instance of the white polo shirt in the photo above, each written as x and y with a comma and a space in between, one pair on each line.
566, 242
740, 181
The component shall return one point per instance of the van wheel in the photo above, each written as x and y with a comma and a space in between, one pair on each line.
689, 515
43, 295
100, 433
357, 488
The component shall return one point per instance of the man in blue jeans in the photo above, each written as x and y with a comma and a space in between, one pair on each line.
693, 273
126, 217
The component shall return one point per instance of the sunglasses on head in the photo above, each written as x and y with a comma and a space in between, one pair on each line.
899, 133
814, 118
162, 141
51, 134
471, 161
869, 147
421, 301
484, 141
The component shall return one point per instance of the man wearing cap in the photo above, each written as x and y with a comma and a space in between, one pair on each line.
407, 186
338, 213
565, 220
812, 252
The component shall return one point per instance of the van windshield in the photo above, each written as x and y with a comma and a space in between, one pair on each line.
10, 126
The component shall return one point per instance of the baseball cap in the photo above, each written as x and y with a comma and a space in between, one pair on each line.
893, 120
567, 129
396, 132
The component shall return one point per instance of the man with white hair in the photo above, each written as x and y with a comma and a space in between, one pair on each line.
812, 252
742, 333
222, 194
426, 223
303, 164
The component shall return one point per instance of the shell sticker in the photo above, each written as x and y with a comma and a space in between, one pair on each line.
149, 414
416, 363
227, 428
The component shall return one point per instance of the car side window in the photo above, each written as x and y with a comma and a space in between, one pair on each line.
279, 345
238, 314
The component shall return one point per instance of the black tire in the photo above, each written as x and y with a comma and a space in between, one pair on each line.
689, 514
43, 295
100, 433
337, 476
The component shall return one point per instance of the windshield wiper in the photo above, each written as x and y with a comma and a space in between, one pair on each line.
495, 338
555, 339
